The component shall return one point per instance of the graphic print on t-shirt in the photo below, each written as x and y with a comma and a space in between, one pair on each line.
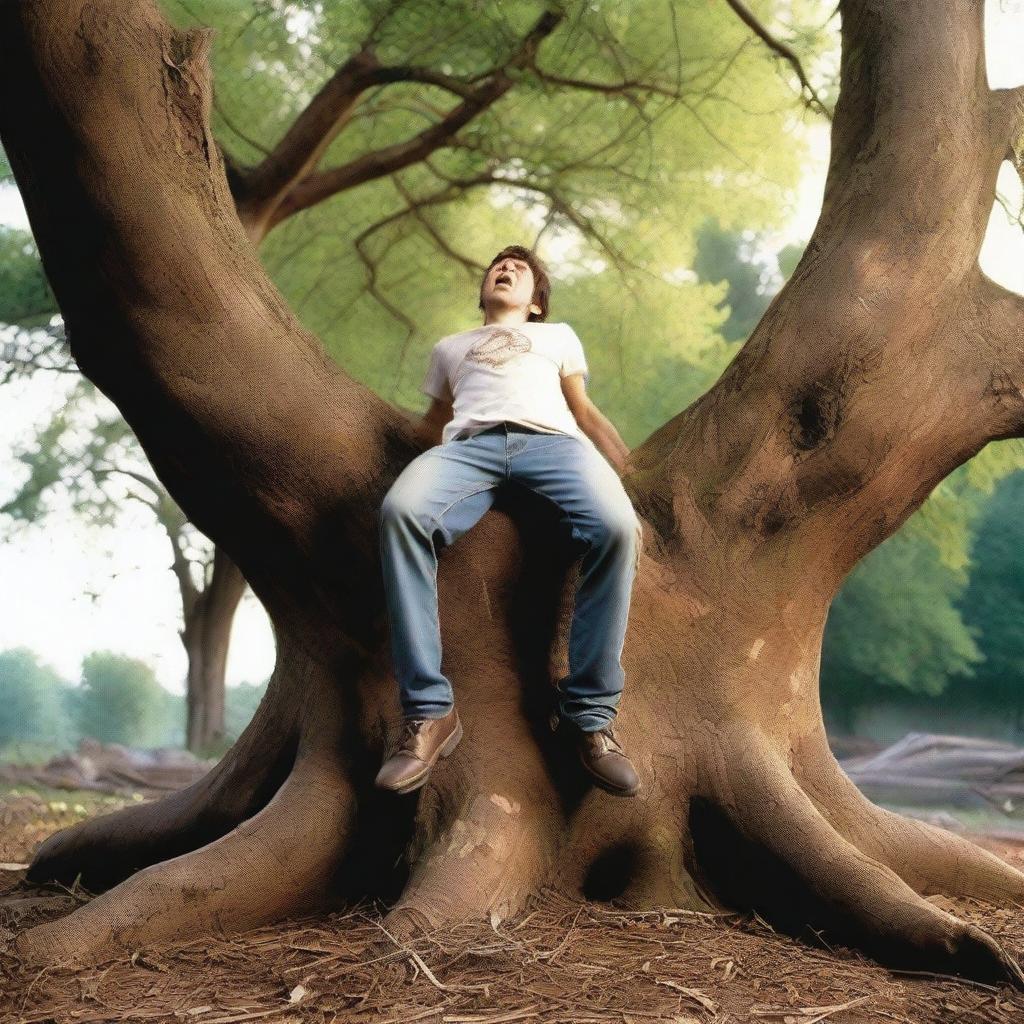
495, 349
511, 372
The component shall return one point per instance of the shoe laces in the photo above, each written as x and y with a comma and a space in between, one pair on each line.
410, 729
611, 740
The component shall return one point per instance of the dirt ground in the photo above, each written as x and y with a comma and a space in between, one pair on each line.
559, 961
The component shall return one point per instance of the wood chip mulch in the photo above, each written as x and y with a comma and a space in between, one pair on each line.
560, 961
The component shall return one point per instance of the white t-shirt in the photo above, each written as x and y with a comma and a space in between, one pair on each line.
500, 372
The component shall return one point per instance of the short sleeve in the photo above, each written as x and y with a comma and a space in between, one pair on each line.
435, 383
573, 359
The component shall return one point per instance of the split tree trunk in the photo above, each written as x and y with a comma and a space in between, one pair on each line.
887, 361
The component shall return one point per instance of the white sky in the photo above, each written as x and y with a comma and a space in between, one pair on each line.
50, 573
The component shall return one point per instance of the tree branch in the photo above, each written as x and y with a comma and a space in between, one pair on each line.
559, 203
174, 522
622, 88
312, 132
415, 207
317, 187
234, 436
305, 142
370, 264
783, 50
888, 277
463, 88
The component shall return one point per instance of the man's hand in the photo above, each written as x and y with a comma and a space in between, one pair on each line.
430, 428
626, 466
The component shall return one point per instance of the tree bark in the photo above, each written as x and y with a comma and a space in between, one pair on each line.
886, 361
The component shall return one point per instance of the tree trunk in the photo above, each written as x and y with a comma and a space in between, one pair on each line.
207, 636
208, 615
887, 361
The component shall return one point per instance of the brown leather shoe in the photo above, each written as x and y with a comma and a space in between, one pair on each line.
423, 741
604, 759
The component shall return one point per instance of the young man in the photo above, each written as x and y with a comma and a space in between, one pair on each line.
510, 404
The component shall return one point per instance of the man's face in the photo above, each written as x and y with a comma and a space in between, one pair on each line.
509, 283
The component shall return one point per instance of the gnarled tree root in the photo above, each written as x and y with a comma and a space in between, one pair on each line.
758, 839
276, 864
767, 846
103, 851
931, 860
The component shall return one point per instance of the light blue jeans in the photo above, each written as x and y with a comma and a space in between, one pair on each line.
444, 492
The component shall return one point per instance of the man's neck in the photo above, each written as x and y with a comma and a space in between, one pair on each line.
505, 315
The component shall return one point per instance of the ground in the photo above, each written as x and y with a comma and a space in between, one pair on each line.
560, 961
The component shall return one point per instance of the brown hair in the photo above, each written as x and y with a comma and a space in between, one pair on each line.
541, 282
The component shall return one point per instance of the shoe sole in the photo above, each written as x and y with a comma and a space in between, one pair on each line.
449, 745
604, 784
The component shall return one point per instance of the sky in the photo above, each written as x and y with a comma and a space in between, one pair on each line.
72, 588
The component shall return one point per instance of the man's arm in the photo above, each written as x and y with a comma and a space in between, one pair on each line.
595, 424
430, 427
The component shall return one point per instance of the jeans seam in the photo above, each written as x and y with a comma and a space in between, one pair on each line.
380, 554
437, 602
436, 521
462, 497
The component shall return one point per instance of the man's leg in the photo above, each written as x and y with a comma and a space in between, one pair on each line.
573, 474
440, 495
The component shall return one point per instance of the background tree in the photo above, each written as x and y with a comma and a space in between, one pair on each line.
729, 257
993, 601
845, 408
32, 704
88, 454
895, 624
120, 701
93, 460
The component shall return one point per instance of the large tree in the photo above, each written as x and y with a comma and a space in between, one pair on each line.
408, 120
886, 361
